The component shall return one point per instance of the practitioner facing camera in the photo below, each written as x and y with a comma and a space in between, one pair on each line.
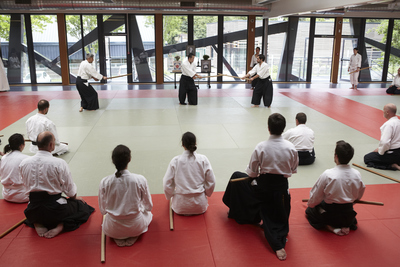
125, 199
189, 179
14, 189
331, 199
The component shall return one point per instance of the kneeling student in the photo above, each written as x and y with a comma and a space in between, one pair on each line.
331, 199
125, 199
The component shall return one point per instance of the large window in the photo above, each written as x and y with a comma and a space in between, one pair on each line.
299, 65
394, 60
276, 47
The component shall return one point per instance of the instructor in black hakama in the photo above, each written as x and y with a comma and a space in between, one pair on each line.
186, 83
89, 97
263, 88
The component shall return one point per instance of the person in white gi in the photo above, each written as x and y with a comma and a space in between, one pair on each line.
89, 97
14, 189
4, 86
186, 83
125, 199
354, 68
263, 88
331, 199
189, 179
395, 87
264, 196
302, 138
46, 178
40, 123
387, 155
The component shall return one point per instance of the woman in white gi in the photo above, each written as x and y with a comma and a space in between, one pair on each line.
189, 179
14, 189
125, 199
354, 68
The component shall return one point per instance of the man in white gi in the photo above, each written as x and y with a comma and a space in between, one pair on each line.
354, 68
265, 196
387, 155
302, 138
263, 88
395, 87
4, 86
46, 178
89, 97
253, 62
40, 123
331, 199
186, 83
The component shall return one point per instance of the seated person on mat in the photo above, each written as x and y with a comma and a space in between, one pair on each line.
189, 179
125, 199
14, 189
265, 197
395, 87
46, 178
302, 138
331, 199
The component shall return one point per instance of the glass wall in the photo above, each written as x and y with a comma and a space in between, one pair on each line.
299, 65
276, 47
394, 60
234, 47
322, 60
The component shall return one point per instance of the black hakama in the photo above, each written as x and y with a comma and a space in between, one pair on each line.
89, 97
383, 162
187, 87
268, 201
393, 90
264, 90
44, 209
335, 215
306, 157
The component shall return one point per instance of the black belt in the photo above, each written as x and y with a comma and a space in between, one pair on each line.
83, 80
34, 143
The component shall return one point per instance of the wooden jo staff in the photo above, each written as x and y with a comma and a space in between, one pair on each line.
240, 179
103, 244
204, 77
12, 228
377, 173
233, 76
108, 78
28, 140
360, 70
358, 201
171, 216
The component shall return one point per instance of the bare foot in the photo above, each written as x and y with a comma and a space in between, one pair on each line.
355, 87
339, 231
351, 87
130, 241
55, 231
255, 106
120, 242
81, 109
281, 254
394, 165
40, 229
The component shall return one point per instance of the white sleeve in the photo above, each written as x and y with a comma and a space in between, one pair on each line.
146, 196
384, 144
92, 72
317, 193
102, 198
253, 168
209, 183
68, 185
169, 181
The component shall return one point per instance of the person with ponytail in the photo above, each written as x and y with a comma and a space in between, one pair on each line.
125, 199
189, 179
14, 189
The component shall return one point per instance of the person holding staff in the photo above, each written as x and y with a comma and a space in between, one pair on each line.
186, 83
263, 88
125, 199
387, 155
89, 97
14, 189
331, 199
354, 68
265, 196
189, 179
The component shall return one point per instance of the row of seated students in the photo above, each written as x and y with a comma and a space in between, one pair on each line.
125, 199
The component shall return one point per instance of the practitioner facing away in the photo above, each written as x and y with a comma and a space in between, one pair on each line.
263, 89
395, 87
354, 66
302, 138
89, 97
189, 179
265, 196
125, 199
46, 178
40, 123
387, 155
14, 189
253, 63
186, 83
331, 199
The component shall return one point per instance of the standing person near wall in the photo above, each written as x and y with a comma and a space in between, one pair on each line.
253, 62
354, 68
4, 86
89, 97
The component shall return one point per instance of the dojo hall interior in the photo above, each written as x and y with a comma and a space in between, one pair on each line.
151, 121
